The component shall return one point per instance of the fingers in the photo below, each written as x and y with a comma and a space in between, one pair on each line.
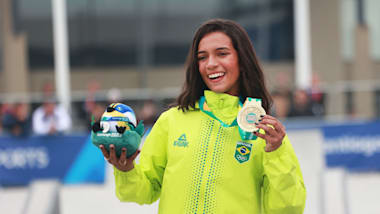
133, 157
123, 157
122, 163
275, 123
113, 158
105, 153
274, 130
260, 135
268, 130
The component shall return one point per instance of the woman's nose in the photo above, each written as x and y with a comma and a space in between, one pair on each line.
212, 62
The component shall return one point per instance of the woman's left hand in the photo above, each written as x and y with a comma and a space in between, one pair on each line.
274, 132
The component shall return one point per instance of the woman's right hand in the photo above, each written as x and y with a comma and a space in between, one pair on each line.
123, 163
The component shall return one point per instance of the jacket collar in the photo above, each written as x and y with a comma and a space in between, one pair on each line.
224, 106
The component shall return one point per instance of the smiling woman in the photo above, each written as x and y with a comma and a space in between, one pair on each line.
198, 148
232, 54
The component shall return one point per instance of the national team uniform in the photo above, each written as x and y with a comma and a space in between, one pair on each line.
196, 164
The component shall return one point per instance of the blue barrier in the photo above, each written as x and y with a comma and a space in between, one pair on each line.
73, 159
355, 147
70, 159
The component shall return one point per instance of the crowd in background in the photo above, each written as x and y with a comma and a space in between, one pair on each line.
50, 118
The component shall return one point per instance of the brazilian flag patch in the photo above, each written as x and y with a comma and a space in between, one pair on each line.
243, 151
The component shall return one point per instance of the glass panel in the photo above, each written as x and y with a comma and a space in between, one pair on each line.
372, 8
150, 32
348, 22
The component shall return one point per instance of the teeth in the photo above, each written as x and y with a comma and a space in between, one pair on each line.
215, 75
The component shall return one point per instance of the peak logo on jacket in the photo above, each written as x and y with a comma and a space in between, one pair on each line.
181, 141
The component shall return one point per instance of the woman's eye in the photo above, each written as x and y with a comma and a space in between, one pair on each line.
201, 58
223, 53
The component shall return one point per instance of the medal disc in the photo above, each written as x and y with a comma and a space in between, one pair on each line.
248, 116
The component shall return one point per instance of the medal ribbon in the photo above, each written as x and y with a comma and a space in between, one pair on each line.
243, 134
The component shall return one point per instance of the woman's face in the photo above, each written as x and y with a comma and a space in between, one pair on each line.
218, 63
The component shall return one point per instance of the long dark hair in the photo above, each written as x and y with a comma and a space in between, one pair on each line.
251, 80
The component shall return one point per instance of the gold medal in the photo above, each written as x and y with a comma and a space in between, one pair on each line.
250, 114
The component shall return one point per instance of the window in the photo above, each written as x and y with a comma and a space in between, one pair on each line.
128, 33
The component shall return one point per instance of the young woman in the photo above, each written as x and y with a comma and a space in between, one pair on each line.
194, 159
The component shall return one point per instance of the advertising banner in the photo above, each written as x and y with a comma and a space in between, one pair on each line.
354, 146
70, 159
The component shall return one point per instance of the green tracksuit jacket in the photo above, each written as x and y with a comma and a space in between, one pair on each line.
194, 164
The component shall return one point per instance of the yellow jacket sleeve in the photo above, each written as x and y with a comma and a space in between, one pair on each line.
143, 183
283, 187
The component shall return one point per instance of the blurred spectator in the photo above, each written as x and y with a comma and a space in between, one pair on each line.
301, 105
4, 109
282, 83
148, 113
1, 117
317, 97
114, 95
91, 106
48, 89
96, 113
50, 119
98, 110
16, 120
90, 103
281, 104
